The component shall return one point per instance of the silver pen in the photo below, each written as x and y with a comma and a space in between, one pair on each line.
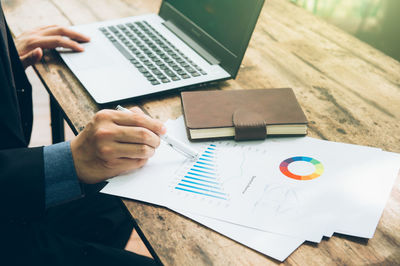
172, 142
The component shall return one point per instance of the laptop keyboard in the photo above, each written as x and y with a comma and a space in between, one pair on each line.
151, 53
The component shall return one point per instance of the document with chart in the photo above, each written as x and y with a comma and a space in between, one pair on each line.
296, 187
234, 182
230, 182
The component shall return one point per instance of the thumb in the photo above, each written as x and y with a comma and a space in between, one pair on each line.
32, 57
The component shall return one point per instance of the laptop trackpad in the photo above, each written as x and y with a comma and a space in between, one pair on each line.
92, 57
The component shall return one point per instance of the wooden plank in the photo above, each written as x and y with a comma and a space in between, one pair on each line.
349, 91
25, 15
86, 11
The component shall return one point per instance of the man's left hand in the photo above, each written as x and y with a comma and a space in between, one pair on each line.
30, 44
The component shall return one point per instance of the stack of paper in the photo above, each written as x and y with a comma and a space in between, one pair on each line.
269, 195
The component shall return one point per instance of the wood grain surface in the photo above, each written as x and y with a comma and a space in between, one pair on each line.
349, 91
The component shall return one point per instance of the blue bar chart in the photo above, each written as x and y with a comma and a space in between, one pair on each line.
202, 177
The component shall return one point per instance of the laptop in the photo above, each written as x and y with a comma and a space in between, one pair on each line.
188, 44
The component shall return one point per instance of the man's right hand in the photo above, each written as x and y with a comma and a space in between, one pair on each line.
113, 143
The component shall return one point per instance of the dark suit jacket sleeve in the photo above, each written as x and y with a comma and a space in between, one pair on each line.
21, 184
21, 168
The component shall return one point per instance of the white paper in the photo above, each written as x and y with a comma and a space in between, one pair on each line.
240, 190
276, 246
143, 185
349, 177
140, 185
348, 197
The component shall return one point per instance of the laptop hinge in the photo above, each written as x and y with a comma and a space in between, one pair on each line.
200, 50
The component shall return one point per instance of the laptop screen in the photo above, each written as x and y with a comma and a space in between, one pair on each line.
227, 21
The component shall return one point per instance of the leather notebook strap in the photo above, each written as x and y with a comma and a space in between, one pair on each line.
248, 125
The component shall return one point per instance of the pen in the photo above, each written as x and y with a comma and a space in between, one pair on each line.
172, 142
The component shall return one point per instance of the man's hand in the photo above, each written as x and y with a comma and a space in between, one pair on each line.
113, 143
30, 44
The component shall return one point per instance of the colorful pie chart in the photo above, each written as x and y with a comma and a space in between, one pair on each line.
284, 167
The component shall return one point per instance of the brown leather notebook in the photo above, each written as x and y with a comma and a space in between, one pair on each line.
243, 114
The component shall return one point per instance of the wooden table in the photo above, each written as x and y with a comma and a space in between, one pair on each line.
349, 91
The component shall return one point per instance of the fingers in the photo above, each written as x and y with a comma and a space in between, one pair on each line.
106, 148
128, 164
50, 37
137, 135
31, 58
50, 42
63, 31
125, 150
139, 119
